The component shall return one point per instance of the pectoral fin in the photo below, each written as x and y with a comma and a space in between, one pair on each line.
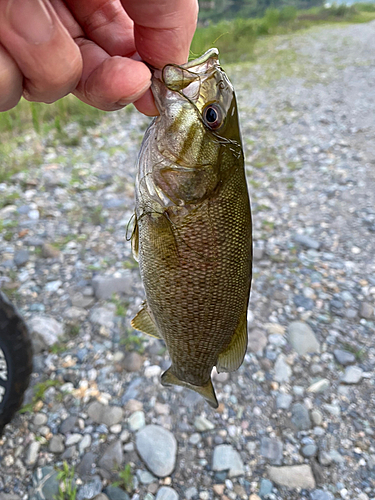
231, 359
207, 390
143, 322
135, 240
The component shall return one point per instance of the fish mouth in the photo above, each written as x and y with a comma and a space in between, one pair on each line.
184, 79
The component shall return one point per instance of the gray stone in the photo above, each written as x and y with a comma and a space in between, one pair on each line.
69, 453
68, 425
306, 241
352, 375
101, 496
115, 493
112, 457
85, 443
40, 419
73, 439
265, 488
191, 492
309, 450
145, 477
272, 450
45, 331
157, 447
106, 286
334, 410
132, 362
202, 424
102, 316
85, 466
21, 257
283, 401
32, 453
56, 445
103, 414
292, 476
75, 314
316, 417
80, 300
302, 338
319, 386
46, 484
90, 489
300, 417
136, 421
226, 458
283, 371
9, 496
49, 251
166, 493
366, 311
321, 495
257, 340
344, 357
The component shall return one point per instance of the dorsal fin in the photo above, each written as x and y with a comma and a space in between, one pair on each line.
207, 390
143, 322
231, 358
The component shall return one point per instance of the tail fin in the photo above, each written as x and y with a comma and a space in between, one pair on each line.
207, 390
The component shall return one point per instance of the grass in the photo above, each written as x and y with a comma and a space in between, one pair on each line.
236, 39
67, 487
125, 480
39, 392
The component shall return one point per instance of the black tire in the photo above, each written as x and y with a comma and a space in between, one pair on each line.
15, 361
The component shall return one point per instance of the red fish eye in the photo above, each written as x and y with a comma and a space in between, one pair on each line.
213, 116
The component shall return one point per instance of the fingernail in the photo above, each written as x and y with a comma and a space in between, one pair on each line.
30, 20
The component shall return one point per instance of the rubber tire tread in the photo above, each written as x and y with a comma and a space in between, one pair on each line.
14, 334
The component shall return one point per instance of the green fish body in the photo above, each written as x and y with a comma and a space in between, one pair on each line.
193, 237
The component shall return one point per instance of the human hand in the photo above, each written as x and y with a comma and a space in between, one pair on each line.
92, 48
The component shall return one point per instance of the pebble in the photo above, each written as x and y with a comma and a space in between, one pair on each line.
366, 311
202, 424
157, 447
152, 371
45, 331
321, 495
132, 362
283, 371
32, 453
319, 386
283, 401
309, 450
316, 417
226, 458
136, 421
40, 419
300, 417
112, 457
105, 286
21, 258
272, 450
73, 439
89, 490
344, 357
352, 375
56, 445
166, 493
103, 414
257, 340
191, 492
292, 476
266, 487
115, 493
302, 338
49, 251
306, 241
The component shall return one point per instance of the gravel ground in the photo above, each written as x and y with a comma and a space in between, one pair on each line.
297, 421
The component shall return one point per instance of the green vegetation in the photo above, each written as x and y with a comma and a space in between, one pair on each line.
125, 480
67, 487
39, 392
132, 342
236, 38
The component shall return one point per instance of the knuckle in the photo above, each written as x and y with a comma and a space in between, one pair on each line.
10, 86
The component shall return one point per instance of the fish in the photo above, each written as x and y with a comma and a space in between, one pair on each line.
192, 234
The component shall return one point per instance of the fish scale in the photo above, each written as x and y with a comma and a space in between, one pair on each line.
193, 235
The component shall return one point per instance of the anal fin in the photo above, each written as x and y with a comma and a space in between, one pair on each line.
232, 357
207, 390
135, 240
143, 322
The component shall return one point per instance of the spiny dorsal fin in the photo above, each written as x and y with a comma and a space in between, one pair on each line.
207, 390
231, 359
135, 240
143, 322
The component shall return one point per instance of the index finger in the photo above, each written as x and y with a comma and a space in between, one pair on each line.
163, 30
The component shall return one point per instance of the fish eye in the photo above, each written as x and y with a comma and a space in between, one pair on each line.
213, 116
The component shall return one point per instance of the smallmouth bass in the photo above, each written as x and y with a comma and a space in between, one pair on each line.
193, 236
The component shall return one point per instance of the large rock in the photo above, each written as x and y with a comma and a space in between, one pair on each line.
103, 414
302, 338
300, 417
292, 476
157, 447
226, 458
106, 286
45, 483
45, 331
